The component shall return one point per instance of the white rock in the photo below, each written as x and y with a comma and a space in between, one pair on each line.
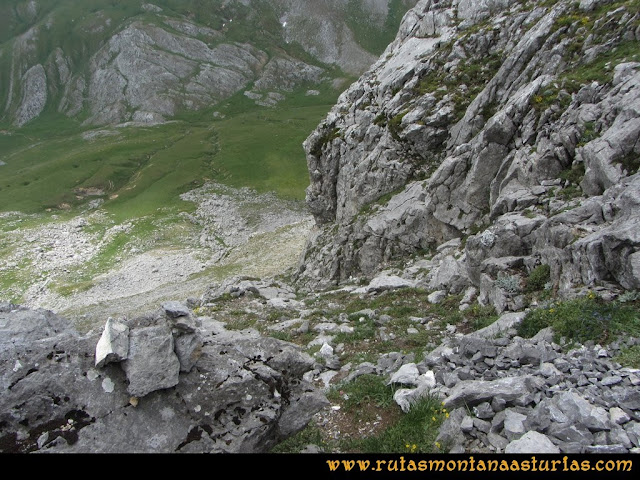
113, 345
406, 397
108, 385
385, 282
618, 416
532, 442
427, 380
326, 350
437, 296
17, 366
407, 374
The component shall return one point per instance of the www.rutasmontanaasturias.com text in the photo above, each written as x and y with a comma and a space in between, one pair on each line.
533, 464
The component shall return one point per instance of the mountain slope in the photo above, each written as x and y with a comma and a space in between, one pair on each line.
508, 128
108, 62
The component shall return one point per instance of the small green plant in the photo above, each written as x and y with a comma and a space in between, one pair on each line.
574, 175
588, 134
567, 193
508, 283
630, 163
310, 435
327, 136
413, 432
481, 316
284, 336
380, 120
629, 296
629, 357
240, 323
538, 278
366, 389
394, 125
583, 319
362, 331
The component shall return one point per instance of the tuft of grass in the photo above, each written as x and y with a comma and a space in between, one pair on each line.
310, 435
413, 432
538, 278
584, 319
365, 330
368, 390
567, 193
481, 316
630, 163
241, 322
329, 135
574, 175
629, 357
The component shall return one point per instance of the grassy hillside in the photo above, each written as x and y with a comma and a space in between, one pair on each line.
135, 170
55, 168
52, 164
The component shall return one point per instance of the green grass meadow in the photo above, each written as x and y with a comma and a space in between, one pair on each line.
138, 170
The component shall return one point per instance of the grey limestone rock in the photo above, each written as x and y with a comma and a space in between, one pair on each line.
473, 392
247, 390
497, 165
437, 296
386, 282
188, 349
407, 374
451, 429
175, 309
532, 442
34, 95
152, 363
577, 409
503, 325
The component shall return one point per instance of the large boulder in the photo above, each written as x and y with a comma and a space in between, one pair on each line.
242, 393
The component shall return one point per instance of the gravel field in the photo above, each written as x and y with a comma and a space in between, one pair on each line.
234, 232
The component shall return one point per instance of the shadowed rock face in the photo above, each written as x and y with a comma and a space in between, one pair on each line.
485, 117
241, 392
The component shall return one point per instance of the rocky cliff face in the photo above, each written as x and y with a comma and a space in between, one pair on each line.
104, 63
508, 128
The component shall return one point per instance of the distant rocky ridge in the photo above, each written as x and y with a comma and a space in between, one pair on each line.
155, 63
508, 127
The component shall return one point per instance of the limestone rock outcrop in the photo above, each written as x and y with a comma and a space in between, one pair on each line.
241, 393
511, 128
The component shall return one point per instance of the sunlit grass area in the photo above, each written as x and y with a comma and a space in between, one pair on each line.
136, 170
